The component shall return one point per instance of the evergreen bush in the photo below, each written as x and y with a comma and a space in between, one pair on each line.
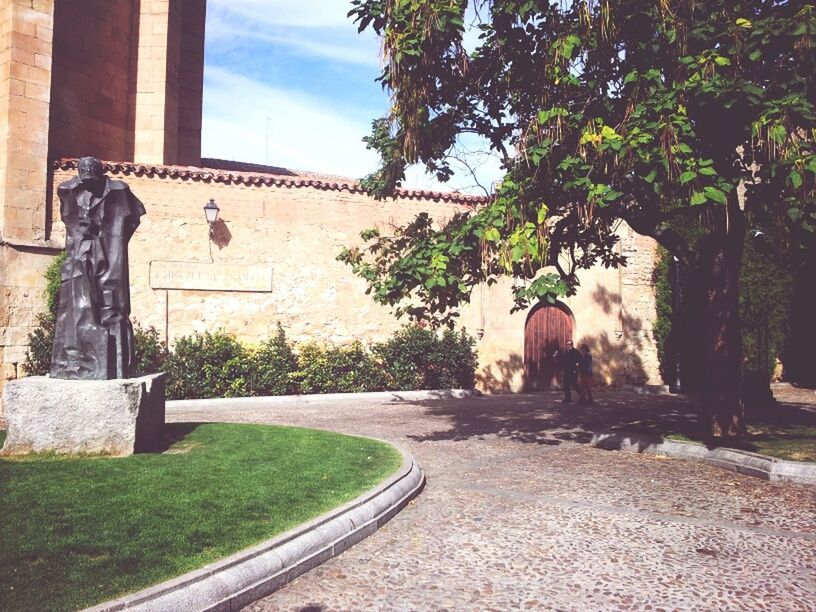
273, 366
766, 293
151, 353
41, 339
207, 365
210, 365
338, 369
418, 358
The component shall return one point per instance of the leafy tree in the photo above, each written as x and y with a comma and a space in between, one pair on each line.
642, 111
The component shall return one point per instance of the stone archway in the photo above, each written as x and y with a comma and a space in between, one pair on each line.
547, 330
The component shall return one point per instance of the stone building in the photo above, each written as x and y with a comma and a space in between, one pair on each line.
122, 81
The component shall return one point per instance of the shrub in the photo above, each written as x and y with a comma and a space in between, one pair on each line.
40, 346
418, 358
272, 367
151, 353
338, 369
41, 339
456, 360
207, 365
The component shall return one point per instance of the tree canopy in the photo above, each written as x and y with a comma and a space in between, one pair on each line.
636, 110
641, 111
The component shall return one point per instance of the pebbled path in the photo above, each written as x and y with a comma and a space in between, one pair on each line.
519, 514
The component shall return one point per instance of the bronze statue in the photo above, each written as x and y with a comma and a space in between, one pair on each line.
93, 338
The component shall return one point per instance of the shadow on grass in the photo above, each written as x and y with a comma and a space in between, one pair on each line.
174, 433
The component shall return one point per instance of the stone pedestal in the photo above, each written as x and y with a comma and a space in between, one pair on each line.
111, 417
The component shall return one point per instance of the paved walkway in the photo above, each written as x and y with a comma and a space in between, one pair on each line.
519, 513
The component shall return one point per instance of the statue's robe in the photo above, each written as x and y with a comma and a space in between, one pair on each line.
93, 338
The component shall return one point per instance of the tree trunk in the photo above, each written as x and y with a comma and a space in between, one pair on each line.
717, 273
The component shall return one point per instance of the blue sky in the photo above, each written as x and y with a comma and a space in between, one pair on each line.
291, 83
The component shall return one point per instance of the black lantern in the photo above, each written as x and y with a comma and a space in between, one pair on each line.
211, 211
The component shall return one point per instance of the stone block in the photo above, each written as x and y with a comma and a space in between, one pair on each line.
111, 417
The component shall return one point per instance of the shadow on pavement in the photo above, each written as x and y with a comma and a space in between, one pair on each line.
542, 418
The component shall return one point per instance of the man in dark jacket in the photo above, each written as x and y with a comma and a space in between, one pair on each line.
571, 362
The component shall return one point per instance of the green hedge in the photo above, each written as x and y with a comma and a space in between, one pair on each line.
214, 364
418, 358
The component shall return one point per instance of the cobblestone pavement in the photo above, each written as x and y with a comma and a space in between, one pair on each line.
518, 513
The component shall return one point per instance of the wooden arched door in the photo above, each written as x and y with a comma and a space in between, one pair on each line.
548, 329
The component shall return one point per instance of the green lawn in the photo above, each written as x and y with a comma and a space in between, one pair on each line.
77, 531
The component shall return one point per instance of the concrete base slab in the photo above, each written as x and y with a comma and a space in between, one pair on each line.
742, 462
107, 417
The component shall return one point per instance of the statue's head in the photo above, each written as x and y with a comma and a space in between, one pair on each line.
90, 170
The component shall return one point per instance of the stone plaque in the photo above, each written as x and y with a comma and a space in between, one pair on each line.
201, 276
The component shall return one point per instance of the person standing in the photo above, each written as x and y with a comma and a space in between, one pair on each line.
572, 362
587, 378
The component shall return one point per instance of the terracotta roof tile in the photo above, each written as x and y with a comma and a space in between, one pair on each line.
224, 171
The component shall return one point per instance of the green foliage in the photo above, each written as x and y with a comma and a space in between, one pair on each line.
217, 365
272, 367
417, 358
766, 293
151, 353
765, 299
40, 346
800, 366
53, 279
78, 531
207, 365
41, 339
664, 306
337, 369
640, 111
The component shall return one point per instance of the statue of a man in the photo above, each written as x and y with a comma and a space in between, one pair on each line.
93, 338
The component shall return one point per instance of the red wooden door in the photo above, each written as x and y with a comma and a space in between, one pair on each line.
547, 330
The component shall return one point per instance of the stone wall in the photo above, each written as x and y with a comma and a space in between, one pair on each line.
296, 232
25, 79
293, 227
127, 80
167, 96
92, 79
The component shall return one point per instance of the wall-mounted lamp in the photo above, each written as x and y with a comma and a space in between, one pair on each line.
211, 211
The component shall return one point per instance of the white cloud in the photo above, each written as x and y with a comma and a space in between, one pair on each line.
291, 13
304, 133
246, 120
316, 27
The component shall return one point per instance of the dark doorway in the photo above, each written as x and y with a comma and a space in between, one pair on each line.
547, 331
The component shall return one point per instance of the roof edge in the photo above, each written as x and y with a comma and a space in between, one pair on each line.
266, 179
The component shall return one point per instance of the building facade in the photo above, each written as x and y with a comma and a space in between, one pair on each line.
123, 81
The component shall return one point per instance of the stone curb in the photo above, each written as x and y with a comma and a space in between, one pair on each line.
742, 462
253, 573
273, 400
